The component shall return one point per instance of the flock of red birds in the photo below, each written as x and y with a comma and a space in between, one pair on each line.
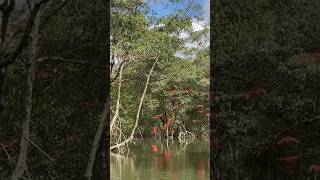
255, 92
166, 157
199, 109
292, 159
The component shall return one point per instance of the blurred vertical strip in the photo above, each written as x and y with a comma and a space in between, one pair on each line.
106, 132
215, 125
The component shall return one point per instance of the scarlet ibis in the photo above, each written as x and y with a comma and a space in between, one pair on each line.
289, 159
200, 111
260, 91
154, 148
314, 168
254, 93
200, 106
288, 140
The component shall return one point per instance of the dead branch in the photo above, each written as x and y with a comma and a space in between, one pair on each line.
139, 110
116, 114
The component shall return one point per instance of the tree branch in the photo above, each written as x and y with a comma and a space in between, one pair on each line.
24, 40
61, 59
118, 72
139, 110
21, 165
116, 114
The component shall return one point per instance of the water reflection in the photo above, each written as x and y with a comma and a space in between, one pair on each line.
161, 160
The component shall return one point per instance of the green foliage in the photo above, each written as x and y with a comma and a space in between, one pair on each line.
158, 37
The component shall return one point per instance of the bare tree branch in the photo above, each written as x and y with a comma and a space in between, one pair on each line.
61, 59
139, 110
116, 114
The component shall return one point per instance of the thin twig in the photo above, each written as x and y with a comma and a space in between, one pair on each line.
42, 151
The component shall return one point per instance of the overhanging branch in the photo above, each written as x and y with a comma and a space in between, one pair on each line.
71, 61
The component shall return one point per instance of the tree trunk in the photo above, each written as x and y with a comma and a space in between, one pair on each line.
21, 164
139, 110
116, 114
95, 144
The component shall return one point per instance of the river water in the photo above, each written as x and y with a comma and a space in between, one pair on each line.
151, 159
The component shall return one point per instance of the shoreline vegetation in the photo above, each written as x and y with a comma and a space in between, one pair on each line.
155, 92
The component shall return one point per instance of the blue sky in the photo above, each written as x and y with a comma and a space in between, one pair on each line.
162, 9
165, 8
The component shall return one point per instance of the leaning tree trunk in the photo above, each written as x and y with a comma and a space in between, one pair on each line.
95, 144
139, 110
116, 114
21, 164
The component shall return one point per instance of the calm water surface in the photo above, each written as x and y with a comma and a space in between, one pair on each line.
158, 160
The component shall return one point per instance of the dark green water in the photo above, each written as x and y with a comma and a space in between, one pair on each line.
156, 160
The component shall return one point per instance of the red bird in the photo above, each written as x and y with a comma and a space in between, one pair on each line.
256, 92
314, 168
200, 111
288, 140
154, 148
289, 159
200, 106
